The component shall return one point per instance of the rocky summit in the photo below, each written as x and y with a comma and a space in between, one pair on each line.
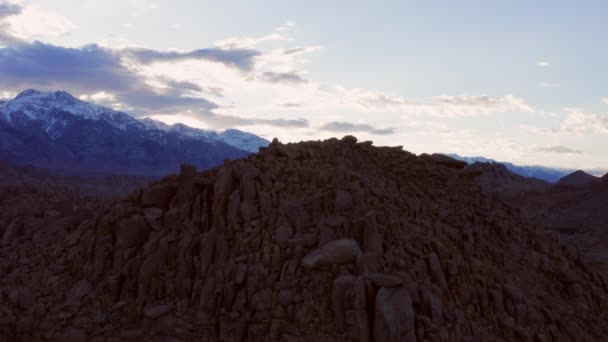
317, 241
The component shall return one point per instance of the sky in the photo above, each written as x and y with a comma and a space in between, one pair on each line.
518, 81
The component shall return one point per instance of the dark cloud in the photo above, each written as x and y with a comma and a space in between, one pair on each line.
8, 9
283, 77
242, 59
559, 149
294, 51
347, 127
91, 69
227, 121
180, 86
217, 91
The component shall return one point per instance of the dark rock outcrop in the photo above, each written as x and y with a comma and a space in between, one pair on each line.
338, 240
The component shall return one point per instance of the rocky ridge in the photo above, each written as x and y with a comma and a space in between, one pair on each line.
316, 241
578, 178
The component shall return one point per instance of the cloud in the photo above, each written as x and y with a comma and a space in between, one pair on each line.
282, 77
301, 50
289, 105
550, 84
179, 87
473, 105
440, 106
543, 64
222, 121
347, 127
31, 22
7, 9
605, 100
280, 33
91, 69
580, 122
558, 149
242, 59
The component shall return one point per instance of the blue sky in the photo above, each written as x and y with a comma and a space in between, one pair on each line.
518, 81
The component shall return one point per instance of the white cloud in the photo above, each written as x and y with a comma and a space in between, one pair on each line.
579, 122
560, 149
543, 64
100, 96
550, 84
280, 33
35, 22
471, 105
6, 95
576, 122
605, 100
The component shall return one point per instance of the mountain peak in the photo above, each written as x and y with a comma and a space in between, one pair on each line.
28, 93
243, 140
577, 178
59, 96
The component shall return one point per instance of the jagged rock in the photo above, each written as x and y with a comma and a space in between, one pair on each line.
158, 196
341, 285
156, 311
336, 252
383, 280
394, 316
368, 263
12, 231
436, 270
432, 306
79, 290
343, 201
262, 300
268, 248
444, 160
131, 232
372, 240
248, 211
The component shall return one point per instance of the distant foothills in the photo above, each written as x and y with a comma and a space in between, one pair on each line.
548, 174
56, 131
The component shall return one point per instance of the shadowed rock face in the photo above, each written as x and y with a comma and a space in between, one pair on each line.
576, 207
317, 241
577, 178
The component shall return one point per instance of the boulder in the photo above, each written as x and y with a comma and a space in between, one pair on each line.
336, 252
156, 311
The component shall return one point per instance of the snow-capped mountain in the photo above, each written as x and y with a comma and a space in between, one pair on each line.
35, 105
57, 130
243, 140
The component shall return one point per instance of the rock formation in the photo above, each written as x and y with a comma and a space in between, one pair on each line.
316, 241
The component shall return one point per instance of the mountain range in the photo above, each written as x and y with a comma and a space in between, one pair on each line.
57, 131
548, 174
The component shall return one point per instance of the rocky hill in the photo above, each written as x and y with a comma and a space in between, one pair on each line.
497, 178
316, 241
576, 207
577, 178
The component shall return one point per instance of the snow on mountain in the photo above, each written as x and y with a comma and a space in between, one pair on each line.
50, 107
243, 140
55, 130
